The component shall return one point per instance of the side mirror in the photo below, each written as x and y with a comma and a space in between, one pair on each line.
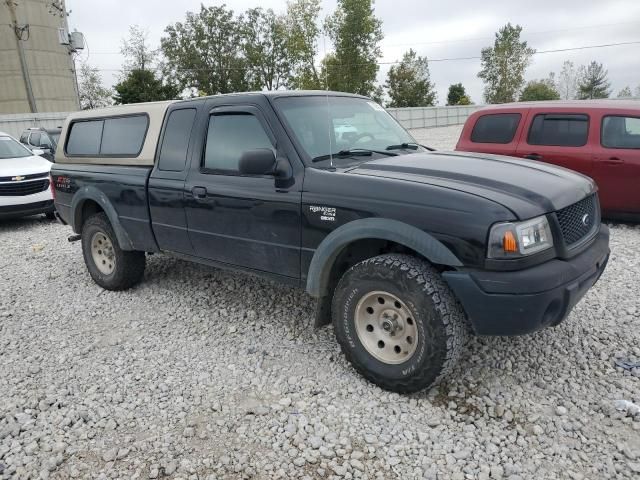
257, 162
37, 151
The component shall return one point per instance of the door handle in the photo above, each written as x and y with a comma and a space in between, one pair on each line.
533, 156
613, 161
199, 193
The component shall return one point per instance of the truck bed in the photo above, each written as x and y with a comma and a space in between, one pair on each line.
123, 189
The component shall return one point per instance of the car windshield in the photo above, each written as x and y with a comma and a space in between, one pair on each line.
327, 125
55, 137
10, 148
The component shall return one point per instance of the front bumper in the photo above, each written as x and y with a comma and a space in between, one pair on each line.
524, 301
34, 208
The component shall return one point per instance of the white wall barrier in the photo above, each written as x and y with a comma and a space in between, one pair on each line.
416, 117
431, 117
15, 124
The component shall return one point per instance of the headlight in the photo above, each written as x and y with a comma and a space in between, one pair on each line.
519, 239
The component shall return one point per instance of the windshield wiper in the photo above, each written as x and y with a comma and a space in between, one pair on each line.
409, 146
353, 152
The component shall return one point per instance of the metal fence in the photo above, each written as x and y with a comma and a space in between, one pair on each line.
430, 117
15, 124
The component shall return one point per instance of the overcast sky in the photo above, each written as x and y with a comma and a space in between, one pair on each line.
434, 28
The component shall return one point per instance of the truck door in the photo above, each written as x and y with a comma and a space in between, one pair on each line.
250, 221
617, 163
558, 138
166, 183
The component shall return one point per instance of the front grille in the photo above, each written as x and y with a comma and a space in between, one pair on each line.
577, 221
25, 177
21, 189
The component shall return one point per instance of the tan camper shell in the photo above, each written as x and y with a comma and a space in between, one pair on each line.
120, 135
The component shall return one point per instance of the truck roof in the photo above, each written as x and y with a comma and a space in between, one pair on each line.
155, 112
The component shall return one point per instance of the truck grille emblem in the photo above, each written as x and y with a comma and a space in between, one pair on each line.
19, 178
585, 219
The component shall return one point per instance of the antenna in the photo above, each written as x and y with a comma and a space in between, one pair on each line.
326, 89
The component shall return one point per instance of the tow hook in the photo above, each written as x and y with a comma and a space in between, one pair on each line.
74, 238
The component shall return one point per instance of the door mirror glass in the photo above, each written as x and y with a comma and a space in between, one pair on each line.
257, 162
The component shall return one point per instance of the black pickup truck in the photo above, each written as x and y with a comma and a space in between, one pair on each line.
405, 249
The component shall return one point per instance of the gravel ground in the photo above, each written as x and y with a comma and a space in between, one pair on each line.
200, 373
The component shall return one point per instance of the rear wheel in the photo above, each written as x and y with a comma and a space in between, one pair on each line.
398, 323
109, 266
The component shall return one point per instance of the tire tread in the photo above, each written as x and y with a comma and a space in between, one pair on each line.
452, 315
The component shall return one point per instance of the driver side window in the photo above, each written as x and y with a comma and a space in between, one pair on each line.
228, 137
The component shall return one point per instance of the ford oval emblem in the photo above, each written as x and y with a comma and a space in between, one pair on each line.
585, 219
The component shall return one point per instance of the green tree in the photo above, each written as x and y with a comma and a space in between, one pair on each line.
408, 83
537, 90
356, 33
137, 50
266, 49
91, 91
205, 52
302, 22
504, 64
593, 82
457, 95
143, 86
625, 93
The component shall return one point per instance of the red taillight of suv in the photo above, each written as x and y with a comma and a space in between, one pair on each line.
52, 186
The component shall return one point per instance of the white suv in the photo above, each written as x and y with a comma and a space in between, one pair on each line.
24, 180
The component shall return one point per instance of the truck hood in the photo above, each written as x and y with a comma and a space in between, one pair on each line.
526, 187
11, 167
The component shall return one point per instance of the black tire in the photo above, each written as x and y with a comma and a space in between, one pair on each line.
128, 267
50, 215
440, 321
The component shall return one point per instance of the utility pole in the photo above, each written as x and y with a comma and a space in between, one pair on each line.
20, 32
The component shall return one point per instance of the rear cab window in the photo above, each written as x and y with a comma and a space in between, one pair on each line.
559, 129
175, 143
620, 131
109, 137
496, 128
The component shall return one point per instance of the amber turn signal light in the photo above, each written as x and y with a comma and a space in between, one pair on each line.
509, 243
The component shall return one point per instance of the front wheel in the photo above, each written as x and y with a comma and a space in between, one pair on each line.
398, 323
110, 267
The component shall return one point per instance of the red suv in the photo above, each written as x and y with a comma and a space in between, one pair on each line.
598, 138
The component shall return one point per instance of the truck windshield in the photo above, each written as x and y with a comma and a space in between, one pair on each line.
326, 125
10, 148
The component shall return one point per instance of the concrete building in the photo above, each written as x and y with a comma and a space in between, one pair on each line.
36, 67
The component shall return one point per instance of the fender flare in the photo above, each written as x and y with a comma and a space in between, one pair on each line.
89, 192
374, 228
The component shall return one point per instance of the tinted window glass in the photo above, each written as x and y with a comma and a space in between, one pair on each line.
498, 128
621, 132
45, 141
124, 135
84, 138
173, 152
559, 130
231, 135
34, 139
